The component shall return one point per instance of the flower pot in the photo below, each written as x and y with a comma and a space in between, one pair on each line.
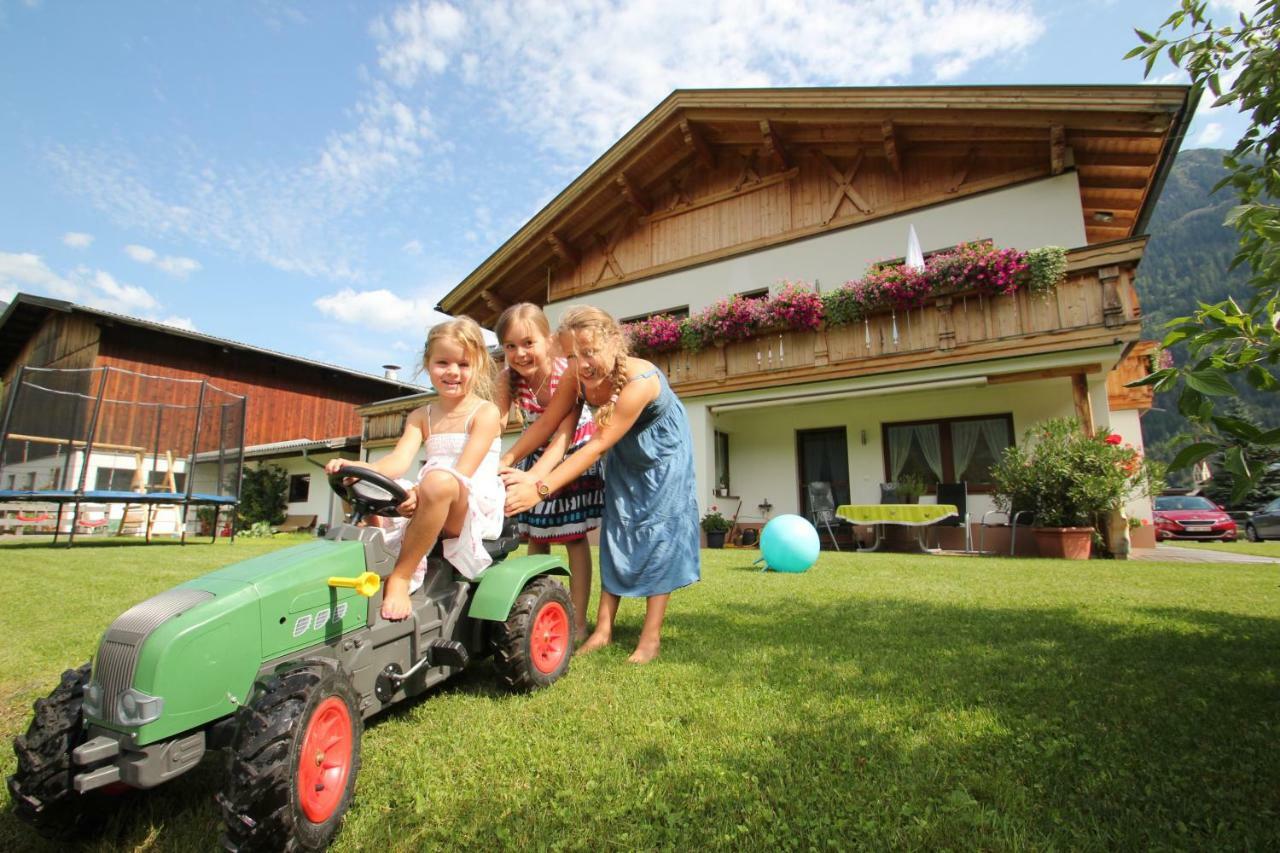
1065, 543
716, 539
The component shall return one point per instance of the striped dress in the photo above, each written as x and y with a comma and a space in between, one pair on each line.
571, 512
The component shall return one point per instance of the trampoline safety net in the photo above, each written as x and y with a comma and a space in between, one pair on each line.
110, 436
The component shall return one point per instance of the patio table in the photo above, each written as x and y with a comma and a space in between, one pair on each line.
905, 515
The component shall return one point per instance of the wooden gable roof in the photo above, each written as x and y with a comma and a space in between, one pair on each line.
712, 173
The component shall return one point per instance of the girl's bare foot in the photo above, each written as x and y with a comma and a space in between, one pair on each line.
594, 642
395, 599
646, 650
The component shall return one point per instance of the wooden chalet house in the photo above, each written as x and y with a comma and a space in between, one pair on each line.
291, 404
725, 192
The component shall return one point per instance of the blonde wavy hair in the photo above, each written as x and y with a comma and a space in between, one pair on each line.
521, 313
605, 335
466, 333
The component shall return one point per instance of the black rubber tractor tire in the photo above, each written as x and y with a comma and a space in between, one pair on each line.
41, 787
263, 805
1251, 533
532, 648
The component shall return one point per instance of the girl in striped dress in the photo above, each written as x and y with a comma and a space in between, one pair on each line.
525, 388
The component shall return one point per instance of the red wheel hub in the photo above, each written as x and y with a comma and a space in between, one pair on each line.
549, 638
325, 760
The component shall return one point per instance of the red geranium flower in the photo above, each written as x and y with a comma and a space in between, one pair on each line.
1114, 439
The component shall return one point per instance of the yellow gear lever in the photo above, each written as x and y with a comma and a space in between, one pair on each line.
367, 584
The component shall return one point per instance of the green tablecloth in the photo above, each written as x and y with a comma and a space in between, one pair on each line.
910, 515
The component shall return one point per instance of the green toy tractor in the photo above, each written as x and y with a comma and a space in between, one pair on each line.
279, 660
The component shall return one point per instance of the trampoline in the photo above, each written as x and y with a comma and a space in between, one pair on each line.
147, 447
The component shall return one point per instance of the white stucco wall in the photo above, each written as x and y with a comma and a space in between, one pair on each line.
1041, 213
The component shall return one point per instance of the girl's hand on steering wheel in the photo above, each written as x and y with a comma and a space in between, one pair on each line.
410, 505
332, 466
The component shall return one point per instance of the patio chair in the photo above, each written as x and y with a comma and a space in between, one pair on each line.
956, 494
889, 494
822, 509
296, 524
1012, 519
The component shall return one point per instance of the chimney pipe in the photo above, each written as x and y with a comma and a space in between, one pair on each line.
390, 371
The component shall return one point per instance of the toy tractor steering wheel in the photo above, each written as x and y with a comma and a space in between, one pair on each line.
368, 492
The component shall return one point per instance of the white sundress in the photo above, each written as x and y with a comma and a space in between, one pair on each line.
486, 499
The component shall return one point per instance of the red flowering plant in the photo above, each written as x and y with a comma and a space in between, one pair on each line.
659, 333
796, 306
735, 318
979, 266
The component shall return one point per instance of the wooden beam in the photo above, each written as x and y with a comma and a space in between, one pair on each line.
890, 137
1084, 406
562, 249
694, 142
963, 171
632, 194
1048, 373
493, 300
704, 201
773, 147
1057, 150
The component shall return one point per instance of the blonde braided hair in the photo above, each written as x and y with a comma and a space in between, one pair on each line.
466, 333
606, 335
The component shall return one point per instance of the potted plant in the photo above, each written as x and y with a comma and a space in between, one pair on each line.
715, 526
1072, 483
910, 487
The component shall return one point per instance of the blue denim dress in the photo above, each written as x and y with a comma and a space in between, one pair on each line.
650, 535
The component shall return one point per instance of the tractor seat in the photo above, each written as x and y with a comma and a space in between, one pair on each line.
508, 540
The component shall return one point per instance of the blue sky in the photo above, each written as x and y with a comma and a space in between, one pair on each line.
313, 177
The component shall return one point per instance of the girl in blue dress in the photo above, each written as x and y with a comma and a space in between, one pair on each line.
650, 535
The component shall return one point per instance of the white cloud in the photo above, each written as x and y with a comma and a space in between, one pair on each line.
413, 247
379, 310
1211, 133
176, 266
180, 323
28, 273
141, 254
77, 239
596, 67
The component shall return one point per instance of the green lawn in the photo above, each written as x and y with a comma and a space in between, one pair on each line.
1259, 549
877, 701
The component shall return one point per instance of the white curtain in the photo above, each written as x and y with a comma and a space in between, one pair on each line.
996, 433
927, 437
964, 440
899, 449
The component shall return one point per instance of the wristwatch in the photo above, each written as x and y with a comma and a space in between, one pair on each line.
544, 491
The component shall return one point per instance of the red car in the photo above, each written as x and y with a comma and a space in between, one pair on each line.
1191, 517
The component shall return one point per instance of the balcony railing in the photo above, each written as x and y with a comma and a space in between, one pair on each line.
1095, 305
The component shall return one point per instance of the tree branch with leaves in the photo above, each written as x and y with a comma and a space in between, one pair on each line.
1239, 339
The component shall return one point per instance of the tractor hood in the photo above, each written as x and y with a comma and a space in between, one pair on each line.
189, 656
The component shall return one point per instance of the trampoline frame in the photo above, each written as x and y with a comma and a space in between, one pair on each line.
62, 496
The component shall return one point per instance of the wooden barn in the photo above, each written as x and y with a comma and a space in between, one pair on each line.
290, 404
719, 193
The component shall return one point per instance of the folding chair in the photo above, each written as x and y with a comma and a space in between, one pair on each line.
822, 509
1013, 518
956, 494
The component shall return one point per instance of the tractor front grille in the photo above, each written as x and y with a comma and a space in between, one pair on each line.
113, 670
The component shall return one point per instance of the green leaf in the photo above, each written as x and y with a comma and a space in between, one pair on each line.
1189, 403
1147, 38
1193, 453
1237, 427
1211, 382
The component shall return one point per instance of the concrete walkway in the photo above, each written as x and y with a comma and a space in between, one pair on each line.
1163, 553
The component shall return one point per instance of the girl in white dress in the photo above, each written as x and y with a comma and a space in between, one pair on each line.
458, 495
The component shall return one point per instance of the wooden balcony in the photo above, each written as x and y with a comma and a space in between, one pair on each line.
1097, 305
